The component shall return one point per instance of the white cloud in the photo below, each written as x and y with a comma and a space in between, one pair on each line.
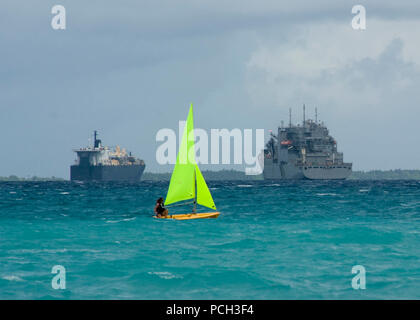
319, 60
314, 49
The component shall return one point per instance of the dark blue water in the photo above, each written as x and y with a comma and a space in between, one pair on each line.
287, 240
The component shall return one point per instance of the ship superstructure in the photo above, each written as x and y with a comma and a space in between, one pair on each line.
304, 151
99, 163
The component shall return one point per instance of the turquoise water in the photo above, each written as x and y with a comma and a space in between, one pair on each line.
288, 240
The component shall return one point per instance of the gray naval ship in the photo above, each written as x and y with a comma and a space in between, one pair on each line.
99, 163
304, 151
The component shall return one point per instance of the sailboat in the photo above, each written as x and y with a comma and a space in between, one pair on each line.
187, 181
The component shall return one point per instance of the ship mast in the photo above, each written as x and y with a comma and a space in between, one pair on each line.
97, 142
303, 114
195, 191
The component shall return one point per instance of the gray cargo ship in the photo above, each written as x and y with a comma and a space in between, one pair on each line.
305, 151
99, 163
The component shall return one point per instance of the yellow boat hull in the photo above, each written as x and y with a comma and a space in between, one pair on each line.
190, 216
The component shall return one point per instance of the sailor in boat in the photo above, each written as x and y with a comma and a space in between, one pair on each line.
160, 209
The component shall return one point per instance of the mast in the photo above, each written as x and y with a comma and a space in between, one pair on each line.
195, 191
96, 141
290, 117
303, 114
316, 115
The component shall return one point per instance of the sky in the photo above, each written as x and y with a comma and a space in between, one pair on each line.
131, 68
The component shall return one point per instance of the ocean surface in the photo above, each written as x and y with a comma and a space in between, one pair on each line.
284, 240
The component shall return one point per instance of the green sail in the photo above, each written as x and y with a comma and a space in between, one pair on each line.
204, 197
182, 184
186, 175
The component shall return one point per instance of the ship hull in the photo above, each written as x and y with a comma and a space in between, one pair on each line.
123, 173
283, 171
326, 173
288, 171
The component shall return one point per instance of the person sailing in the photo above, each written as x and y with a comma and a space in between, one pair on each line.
160, 209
